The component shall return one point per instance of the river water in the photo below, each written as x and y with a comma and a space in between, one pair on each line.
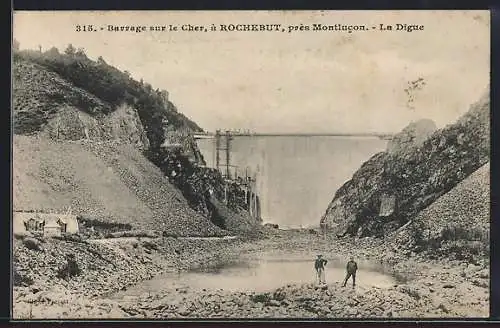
297, 175
260, 275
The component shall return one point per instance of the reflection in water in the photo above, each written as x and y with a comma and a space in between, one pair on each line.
261, 275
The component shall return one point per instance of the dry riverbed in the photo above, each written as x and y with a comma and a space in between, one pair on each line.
115, 283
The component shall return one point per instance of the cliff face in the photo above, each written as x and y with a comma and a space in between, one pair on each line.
418, 167
122, 125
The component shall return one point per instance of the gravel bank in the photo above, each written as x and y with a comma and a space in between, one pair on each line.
107, 266
432, 288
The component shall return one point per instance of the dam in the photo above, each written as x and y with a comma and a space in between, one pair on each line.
296, 175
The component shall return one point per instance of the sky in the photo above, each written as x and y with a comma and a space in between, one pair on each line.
299, 82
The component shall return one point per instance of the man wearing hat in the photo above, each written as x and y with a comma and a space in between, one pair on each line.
319, 265
351, 269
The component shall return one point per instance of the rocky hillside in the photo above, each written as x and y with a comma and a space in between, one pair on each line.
91, 137
47, 84
456, 225
392, 187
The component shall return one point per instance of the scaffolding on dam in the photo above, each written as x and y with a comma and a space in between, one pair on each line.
232, 174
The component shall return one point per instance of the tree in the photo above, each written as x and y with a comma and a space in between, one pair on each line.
52, 53
81, 53
164, 95
15, 45
70, 50
101, 61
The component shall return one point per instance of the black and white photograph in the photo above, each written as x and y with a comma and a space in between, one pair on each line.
290, 164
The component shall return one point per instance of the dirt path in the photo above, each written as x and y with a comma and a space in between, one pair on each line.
137, 239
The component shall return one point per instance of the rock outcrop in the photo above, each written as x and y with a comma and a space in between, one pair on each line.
122, 125
418, 167
411, 136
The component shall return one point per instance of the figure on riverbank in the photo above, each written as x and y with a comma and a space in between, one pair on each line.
351, 268
319, 265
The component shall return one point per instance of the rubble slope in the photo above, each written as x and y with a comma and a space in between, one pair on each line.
456, 225
107, 182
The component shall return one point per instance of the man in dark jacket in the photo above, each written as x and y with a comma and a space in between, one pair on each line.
319, 265
351, 268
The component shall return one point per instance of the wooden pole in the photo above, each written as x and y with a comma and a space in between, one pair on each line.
228, 158
254, 198
225, 193
217, 149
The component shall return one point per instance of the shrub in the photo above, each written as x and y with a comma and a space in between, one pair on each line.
462, 233
417, 233
465, 250
21, 280
171, 235
150, 245
279, 295
32, 243
261, 298
69, 270
77, 238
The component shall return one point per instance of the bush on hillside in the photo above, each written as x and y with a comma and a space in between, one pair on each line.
70, 269
453, 233
133, 233
456, 242
21, 280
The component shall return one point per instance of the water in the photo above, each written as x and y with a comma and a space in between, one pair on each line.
261, 275
297, 175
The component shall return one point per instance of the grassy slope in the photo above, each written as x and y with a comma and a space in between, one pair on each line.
459, 221
466, 205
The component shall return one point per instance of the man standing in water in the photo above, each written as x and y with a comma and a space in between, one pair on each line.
319, 265
351, 268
